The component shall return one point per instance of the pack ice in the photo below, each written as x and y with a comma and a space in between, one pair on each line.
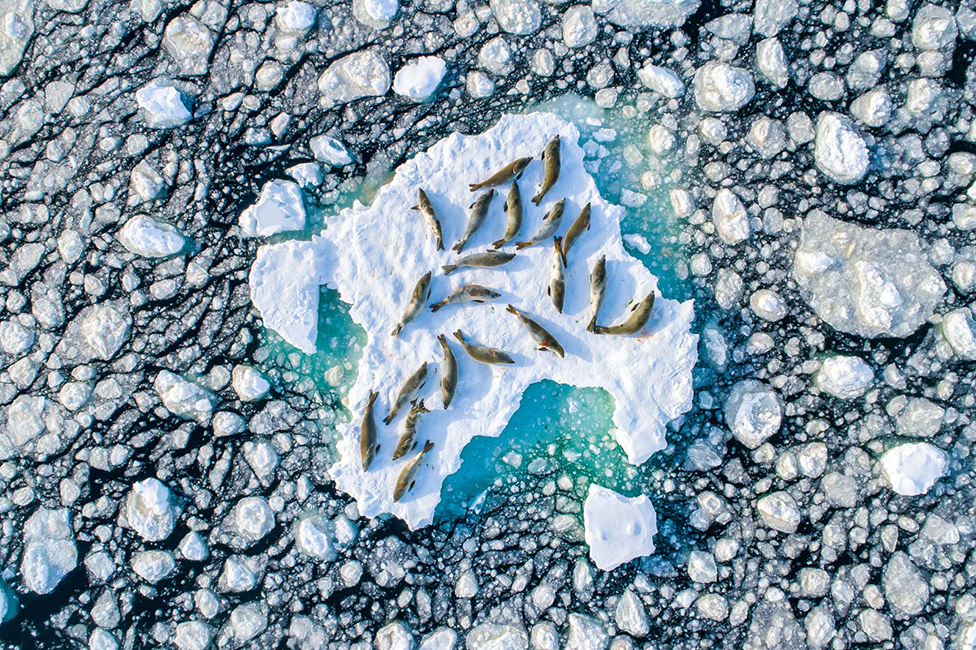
374, 254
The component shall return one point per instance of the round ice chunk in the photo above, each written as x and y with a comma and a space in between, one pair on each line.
147, 237
419, 78
617, 528
840, 151
150, 510
753, 412
720, 87
844, 377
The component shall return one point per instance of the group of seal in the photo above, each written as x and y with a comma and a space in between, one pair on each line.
491, 258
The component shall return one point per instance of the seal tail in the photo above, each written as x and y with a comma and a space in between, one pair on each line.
591, 326
559, 249
396, 331
447, 268
498, 244
511, 310
522, 244
458, 247
537, 199
459, 336
435, 307
389, 416
428, 446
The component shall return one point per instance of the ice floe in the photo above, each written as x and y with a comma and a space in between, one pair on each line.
913, 468
278, 209
375, 254
162, 105
617, 528
419, 78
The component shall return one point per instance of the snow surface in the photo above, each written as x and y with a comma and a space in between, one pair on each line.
913, 468
617, 528
374, 255
844, 377
419, 78
278, 209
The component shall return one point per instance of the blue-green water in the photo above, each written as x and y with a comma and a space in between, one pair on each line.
559, 432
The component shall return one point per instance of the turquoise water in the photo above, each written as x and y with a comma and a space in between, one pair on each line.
559, 432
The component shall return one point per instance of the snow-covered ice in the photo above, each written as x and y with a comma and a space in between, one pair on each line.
844, 377
617, 528
147, 237
249, 384
360, 74
419, 78
720, 87
865, 281
840, 151
329, 150
754, 412
50, 551
150, 510
279, 208
648, 375
185, 398
163, 105
913, 468
662, 81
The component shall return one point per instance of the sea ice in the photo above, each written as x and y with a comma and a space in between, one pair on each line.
844, 377
163, 105
49, 550
646, 13
517, 16
419, 78
249, 384
386, 242
278, 209
865, 281
360, 74
661, 81
839, 151
720, 87
913, 468
150, 510
147, 237
617, 528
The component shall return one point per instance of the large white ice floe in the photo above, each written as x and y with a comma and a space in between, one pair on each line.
617, 528
375, 254
419, 78
147, 237
162, 105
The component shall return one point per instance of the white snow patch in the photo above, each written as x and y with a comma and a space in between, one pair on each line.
374, 255
279, 209
249, 384
50, 552
419, 78
162, 105
329, 150
913, 468
617, 528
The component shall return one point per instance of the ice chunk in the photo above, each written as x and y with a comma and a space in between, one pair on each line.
395, 636
579, 26
252, 519
295, 16
768, 305
646, 13
375, 13
279, 208
586, 633
661, 81
162, 105
329, 150
920, 418
419, 78
771, 16
959, 332
189, 42
9, 605
284, 283
249, 384
844, 377
913, 468
184, 398
839, 151
150, 510
315, 537
249, 620
904, 586
105, 328
517, 16
934, 28
492, 636
720, 87
360, 74
780, 512
16, 30
865, 281
147, 237
648, 375
153, 566
772, 63
193, 635
630, 616
15, 339
617, 528
49, 550
730, 217
753, 412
